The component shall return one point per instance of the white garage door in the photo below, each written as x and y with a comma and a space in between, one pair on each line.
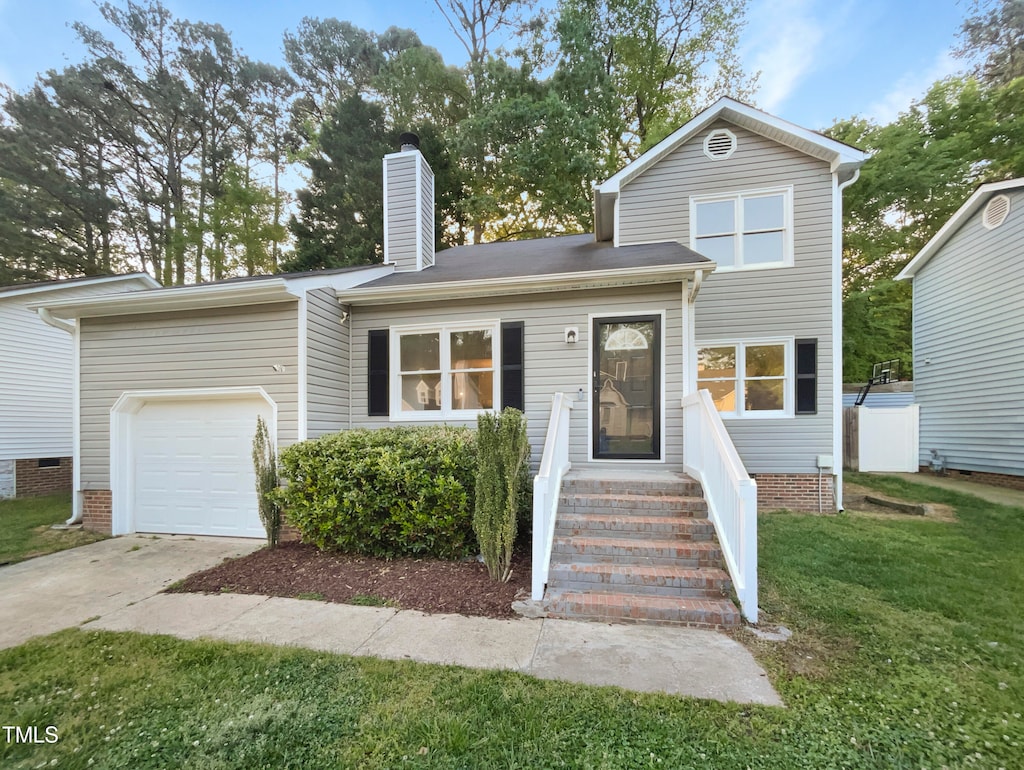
192, 467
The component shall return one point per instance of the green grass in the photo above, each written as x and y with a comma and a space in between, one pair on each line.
25, 528
906, 653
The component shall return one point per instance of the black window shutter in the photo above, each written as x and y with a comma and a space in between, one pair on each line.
512, 366
807, 376
377, 378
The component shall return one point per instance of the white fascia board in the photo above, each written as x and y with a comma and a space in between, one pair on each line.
592, 279
344, 280
965, 212
744, 115
168, 300
147, 281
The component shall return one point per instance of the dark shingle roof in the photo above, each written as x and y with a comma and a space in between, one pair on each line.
542, 256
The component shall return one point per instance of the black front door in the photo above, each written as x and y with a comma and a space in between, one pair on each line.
625, 388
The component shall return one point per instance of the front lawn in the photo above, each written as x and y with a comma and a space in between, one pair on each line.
25, 528
906, 653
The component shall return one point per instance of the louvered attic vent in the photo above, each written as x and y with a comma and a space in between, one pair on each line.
995, 212
720, 144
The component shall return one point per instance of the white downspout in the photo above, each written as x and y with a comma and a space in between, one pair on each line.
837, 336
71, 328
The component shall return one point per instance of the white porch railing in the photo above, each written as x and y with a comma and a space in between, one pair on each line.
547, 486
710, 457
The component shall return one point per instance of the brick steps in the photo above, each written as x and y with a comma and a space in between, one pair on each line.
632, 608
637, 548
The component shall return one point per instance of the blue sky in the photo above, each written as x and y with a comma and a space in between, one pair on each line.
819, 59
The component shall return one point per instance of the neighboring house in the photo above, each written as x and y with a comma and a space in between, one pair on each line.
626, 322
969, 336
36, 384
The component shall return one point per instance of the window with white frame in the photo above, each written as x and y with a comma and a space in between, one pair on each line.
443, 371
747, 379
744, 230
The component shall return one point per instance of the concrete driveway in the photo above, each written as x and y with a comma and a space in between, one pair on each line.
48, 593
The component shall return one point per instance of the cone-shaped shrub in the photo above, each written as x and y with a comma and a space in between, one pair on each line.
503, 452
264, 460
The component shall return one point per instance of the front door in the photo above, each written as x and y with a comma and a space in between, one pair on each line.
625, 388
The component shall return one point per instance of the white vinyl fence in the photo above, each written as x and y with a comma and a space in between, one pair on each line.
888, 438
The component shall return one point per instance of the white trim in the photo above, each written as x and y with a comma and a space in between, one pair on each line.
737, 197
387, 248
839, 155
946, 232
616, 240
689, 341
631, 312
528, 284
733, 142
444, 331
122, 415
302, 380
76, 427
837, 333
73, 283
789, 375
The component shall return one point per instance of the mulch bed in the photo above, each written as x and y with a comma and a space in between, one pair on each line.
296, 570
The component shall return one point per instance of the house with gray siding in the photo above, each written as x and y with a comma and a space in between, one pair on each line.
968, 317
706, 305
37, 390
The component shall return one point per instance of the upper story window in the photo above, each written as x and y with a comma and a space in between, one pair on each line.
443, 371
747, 379
744, 231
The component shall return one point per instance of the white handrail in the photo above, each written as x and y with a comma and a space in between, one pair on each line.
710, 456
547, 486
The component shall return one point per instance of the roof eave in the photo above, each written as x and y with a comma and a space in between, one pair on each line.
171, 300
144, 278
965, 212
590, 279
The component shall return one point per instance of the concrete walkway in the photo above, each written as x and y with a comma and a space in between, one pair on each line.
993, 494
115, 584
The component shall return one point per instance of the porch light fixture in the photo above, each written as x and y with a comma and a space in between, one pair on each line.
572, 333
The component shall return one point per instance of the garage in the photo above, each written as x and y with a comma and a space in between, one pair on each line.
189, 465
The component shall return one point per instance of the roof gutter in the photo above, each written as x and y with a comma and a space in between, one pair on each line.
591, 279
56, 323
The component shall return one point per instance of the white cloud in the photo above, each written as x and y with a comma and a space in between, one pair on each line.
912, 86
785, 46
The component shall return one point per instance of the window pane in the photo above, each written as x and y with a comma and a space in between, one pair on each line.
716, 362
421, 392
723, 393
763, 213
721, 249
762, 248
764, 395
716, 218
472, 390
766, 360
420, 352
471, 350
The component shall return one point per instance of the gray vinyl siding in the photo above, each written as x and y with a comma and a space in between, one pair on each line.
402, 236
969, 324
550, 365
216, 348
793, 302
426, 204
327, 362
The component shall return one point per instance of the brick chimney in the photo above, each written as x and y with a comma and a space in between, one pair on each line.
408, 207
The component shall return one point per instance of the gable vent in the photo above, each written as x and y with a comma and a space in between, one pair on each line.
995, 212
720, 144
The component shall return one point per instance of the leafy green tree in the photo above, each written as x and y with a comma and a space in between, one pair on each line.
993, 36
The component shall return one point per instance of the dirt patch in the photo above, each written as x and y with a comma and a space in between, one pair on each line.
295, 570
856, 502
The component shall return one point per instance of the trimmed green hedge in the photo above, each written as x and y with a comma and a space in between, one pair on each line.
390, 492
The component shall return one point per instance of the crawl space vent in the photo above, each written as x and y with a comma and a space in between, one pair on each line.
996, 212
720, 144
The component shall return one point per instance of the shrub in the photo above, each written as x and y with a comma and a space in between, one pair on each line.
264, 461
502, 474
390, 492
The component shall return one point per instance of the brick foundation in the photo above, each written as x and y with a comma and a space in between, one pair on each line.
31, 480
982, 477
794, 491
96, 510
